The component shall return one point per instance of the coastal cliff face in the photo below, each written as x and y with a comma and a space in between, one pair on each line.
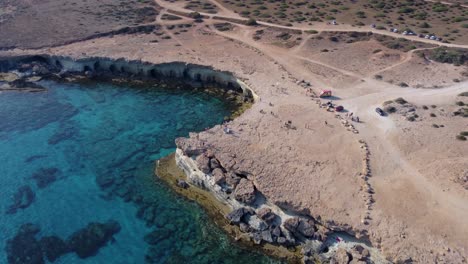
193, 75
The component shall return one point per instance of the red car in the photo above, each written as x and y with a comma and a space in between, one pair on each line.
339, 108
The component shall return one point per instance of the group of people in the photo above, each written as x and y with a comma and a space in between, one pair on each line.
353, 118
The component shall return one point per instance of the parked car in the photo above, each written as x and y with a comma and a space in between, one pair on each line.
380, 111
421, 35
339, 108
433, 38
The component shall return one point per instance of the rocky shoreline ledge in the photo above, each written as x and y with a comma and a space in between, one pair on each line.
249, 217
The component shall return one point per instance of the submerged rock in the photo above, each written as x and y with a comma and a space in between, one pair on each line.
53, 247
245, 192
87, 241
24, 248
23, 198
45, 176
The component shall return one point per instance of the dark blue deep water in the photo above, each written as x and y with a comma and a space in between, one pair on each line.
81, 154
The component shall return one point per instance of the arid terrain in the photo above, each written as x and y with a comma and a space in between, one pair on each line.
408, 195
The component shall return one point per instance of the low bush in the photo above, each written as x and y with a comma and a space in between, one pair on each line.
461, 137
433, 115
251, 22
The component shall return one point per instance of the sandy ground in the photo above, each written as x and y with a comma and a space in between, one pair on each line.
418, 210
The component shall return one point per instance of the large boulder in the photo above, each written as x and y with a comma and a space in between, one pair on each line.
266, 215
24, 248
86, 242
245, 192
214, 163
256, 223
203, 163
235, 217
291, 224
300, 226
218, 176
341, 257
306, 228
232, 179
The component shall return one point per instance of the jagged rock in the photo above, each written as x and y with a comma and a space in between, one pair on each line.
24, 248
256, 223
266, 236
235, 216
360, 253
214, 163
266, 215
341, 257
291, 224
182, 184
218, 176
276, 231
257, 238
23, 198
45, 176
203, 163
232, 179
245, 192
306, 227
53, 247
282, 241
187, 147
290, 240
244, 227
311, 247
86, 242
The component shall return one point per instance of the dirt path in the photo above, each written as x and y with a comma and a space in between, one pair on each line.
317, 27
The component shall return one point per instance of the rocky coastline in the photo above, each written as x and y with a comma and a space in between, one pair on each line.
259, 221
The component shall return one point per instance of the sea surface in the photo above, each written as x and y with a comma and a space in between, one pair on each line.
87, 152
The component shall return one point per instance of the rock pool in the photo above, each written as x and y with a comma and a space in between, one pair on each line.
77, 164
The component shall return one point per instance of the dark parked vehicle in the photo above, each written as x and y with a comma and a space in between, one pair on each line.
380, 111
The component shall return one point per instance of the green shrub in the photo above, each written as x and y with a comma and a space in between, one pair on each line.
403, 84
464, 133
195, 15
440, 8
433, 115
460, 103
425, 25
435, 125
452, 56
312, 31
251, 22
463, 94
461, 137
406, 10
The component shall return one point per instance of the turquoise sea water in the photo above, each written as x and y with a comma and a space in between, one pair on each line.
87, 153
